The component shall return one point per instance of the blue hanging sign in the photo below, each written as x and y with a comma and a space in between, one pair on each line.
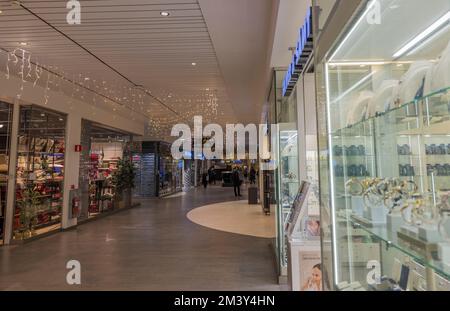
302, 53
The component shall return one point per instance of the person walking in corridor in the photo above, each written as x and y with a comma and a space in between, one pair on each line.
237, 182
252, 176
205, 180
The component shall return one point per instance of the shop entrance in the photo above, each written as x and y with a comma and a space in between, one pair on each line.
5, 140
40, 172
103, 149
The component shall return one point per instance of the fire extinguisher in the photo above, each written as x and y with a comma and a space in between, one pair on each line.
75, 207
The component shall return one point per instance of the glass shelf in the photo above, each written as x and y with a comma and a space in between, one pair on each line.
391, 239
429, 103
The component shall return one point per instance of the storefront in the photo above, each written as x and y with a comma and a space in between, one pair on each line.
158, 173
294, 146
104, 159
383, 113
39, 191
40, 172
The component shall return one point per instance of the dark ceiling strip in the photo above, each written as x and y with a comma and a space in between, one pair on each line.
99, 59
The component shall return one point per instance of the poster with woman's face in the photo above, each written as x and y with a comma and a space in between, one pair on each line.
310, 271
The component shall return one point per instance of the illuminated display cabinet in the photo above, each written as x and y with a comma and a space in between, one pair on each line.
384, 114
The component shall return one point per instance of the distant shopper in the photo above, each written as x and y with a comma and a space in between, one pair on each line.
236, 182
212, 176
205, 180
252, 176
245, 173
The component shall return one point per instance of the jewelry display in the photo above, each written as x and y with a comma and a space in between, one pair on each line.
355, 187
391, 192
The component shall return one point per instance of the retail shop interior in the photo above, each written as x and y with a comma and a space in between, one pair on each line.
104, 167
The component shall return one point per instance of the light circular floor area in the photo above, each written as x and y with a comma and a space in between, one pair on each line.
235, 217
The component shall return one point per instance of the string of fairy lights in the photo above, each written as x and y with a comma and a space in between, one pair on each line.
120, 99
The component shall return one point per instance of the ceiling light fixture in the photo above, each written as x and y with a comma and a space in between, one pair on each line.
430, 39
165, 14
23, 43
424, 34
194, 64
2, 126
1, 11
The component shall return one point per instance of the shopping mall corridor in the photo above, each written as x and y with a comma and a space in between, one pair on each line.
152, 247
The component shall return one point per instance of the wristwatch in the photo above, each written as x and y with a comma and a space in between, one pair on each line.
355, 187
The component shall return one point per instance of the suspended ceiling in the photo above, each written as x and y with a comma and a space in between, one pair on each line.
128, 52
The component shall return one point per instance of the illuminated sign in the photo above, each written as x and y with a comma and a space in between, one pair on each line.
302, 53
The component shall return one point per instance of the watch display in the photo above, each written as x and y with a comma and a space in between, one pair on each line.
390, 194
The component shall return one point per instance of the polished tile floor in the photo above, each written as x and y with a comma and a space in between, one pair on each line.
235, 217
153, 247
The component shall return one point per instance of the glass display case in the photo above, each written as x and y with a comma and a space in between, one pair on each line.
384, 147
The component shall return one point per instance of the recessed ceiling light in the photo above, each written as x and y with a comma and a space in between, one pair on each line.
165, 14
86, 79
42, 114
207, 89
1, 125
23, 43
1, 11
194, 64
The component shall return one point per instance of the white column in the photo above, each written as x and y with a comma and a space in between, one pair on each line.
72, 166
11, 194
